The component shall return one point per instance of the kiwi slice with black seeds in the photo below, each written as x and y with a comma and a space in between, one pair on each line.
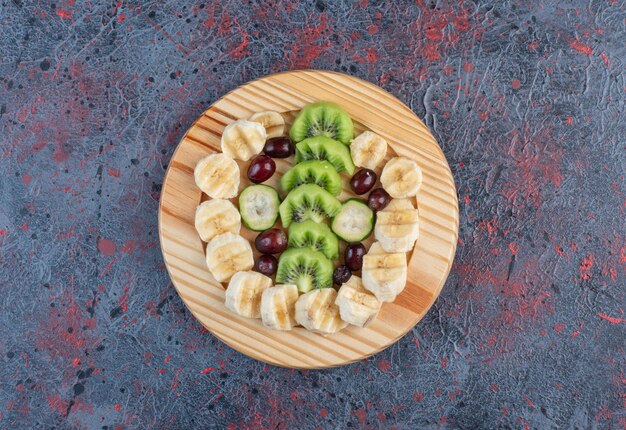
305, 268
308, 201
325, 148
318, 172
323, 119
318, 237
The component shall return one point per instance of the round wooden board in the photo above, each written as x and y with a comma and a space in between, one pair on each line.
371, 108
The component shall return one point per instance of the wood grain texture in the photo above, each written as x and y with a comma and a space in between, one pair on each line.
371, 108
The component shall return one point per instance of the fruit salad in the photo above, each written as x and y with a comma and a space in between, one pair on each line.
315, 269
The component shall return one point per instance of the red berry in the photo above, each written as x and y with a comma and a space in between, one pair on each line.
378, 199
279, 147
271, 241
353, 256
261, 169
363, 181
266, 264
341, 275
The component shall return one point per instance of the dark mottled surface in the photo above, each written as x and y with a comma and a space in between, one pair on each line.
527, 100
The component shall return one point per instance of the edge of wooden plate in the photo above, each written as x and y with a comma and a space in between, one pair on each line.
395, 319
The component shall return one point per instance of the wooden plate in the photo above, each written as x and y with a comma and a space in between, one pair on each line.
371, 108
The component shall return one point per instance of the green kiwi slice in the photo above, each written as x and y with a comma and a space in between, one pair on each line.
305, 268
318, 172
323, 119
318, 237
325, 148
308, 201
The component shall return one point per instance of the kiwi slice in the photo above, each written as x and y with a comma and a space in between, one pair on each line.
323, 119
305, 268
318, 237
325, 148
308, 201
318, 172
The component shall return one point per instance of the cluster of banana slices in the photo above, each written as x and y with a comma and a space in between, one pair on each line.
229, 256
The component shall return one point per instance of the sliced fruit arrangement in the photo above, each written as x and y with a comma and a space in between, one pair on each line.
317, 311
323, 119
301, 252
216, 216
368, 150
318, 172
228, 254
397, 226
305, 268
325, 148
401, 177
308, 201
357, 305
384, 273
258, 205
243, 295
354, 222
217, 175
278, 307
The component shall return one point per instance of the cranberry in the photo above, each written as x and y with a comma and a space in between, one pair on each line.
363, 181
378, 199
353, 256
266, 264
271, 241
261, 169
279, 147
341, 275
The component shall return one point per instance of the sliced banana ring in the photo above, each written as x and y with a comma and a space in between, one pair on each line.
243, 139
401, 177
278, 307
216, 216
357, 305
368, 149
228, 254
397, 226
317, 311
273, 122
384, 273
217, 175
244, 292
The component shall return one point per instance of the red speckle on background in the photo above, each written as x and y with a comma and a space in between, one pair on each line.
569, 120
106, 246
117, 407
121, 17
559, 327
513, 247
468, 67
516, 84
26, 178
580, 47
612, 320
128, 247
585, 267
113, 172
207, 370
418, 396
372, 29
323, 412
444, 362
384, 365
361, 415
64, 14
3, 232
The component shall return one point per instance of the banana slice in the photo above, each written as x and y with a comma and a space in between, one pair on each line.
384, 274
357, 305
243, 139
273, 122
397, 226
228, 254
217, 175
217, 216
244, 292
278, 307
368, 149
401, 177
316, 311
